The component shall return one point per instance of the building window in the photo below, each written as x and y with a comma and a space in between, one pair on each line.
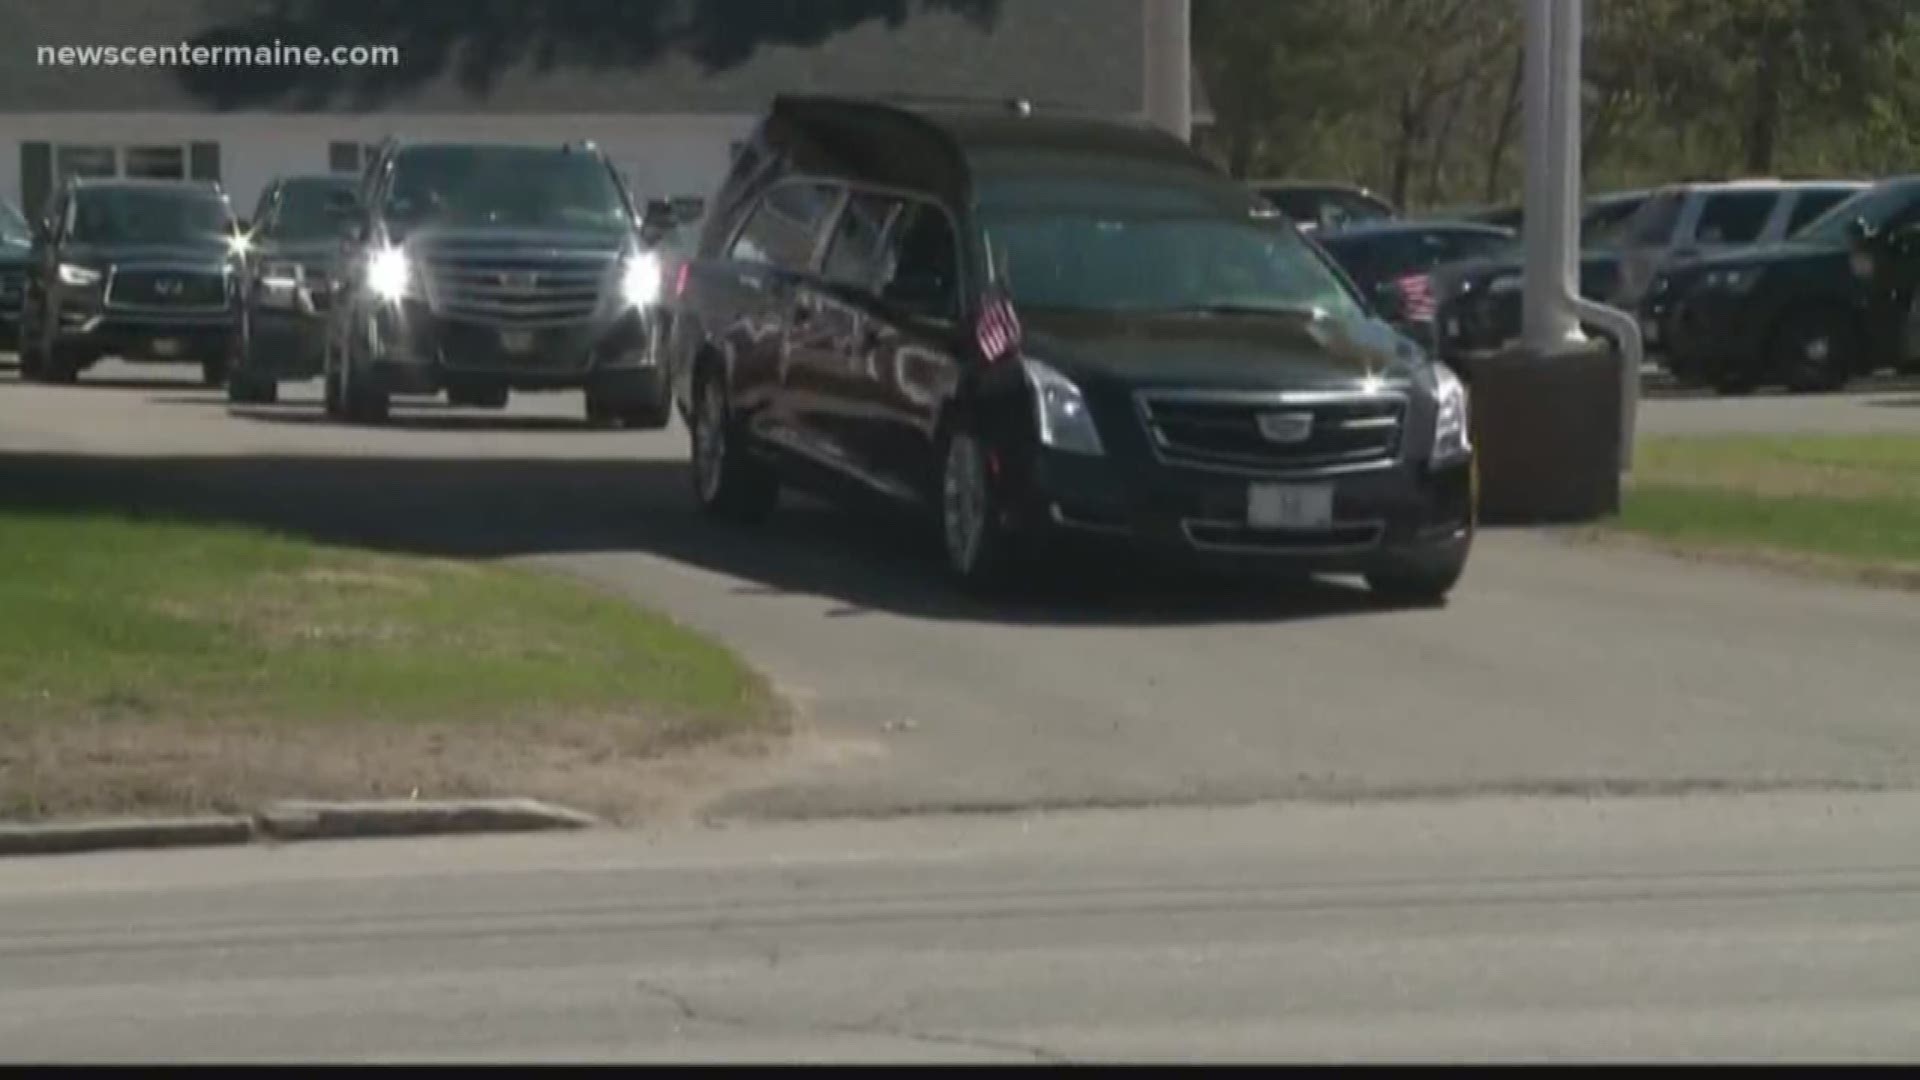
85, 161
156, 163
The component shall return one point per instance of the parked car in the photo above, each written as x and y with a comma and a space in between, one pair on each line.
1686, 221
1598, 218
140, 269
1810, 313
1393, 264
16, 248
479, 270
1034, 329
1324, 205
1478, 302
284, 286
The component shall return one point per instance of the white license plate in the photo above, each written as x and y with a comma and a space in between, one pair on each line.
516, 341
166, 347
1290, 506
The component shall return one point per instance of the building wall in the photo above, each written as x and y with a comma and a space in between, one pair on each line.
663, 155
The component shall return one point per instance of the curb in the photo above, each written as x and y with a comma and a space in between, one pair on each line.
66, 839
303, 820
296, 820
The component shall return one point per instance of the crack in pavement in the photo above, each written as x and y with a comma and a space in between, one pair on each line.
886, 1023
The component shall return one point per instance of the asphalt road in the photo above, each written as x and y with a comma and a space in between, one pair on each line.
1730, 929
1558, 668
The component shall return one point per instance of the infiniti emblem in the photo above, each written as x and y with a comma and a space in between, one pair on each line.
167, 286
1287, 428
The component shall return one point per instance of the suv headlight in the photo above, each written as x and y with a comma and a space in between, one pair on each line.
1066, 424
78, 276
640, 281
1452, 440
388, 275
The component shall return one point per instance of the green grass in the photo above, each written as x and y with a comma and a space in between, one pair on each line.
1852, 502
127, 637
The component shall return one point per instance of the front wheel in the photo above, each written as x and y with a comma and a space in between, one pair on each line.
1814, 351
727, 480
977, 545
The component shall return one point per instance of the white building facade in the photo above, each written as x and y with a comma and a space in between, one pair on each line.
670, 121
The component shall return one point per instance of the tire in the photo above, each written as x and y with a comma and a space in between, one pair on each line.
32, 360
1418, 584
978, 549
335, 399
59, 366
1814, 350
728, 481
647, 417
245, 389
362, 401
1733, 382
600, 413
213, 371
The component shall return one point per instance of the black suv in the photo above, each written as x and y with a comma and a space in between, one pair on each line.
1833, 302
140, 269
288, 265
1035, 327
16, 248
482, 269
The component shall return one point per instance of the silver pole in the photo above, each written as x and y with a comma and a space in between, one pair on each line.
1169, 66
1552, 227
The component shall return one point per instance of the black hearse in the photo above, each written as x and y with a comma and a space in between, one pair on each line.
1033, 326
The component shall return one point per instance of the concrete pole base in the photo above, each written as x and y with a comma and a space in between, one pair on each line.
1547, 432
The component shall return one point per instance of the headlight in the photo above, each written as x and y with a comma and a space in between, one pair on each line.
1505, 284
239, 243
78, 275
1734, 281
388, 274
1451, 438
1066, 424
640, 283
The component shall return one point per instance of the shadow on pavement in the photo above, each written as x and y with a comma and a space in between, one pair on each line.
499, 508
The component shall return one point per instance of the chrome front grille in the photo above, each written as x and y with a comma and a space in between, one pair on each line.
1290, 432
177, 290
522, 285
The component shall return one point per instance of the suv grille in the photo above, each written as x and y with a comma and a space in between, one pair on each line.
1315, 431
517, 284
167, 289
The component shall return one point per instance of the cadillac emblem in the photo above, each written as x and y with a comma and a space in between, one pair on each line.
1287, 428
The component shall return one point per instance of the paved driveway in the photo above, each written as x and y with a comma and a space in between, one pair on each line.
1557, 668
